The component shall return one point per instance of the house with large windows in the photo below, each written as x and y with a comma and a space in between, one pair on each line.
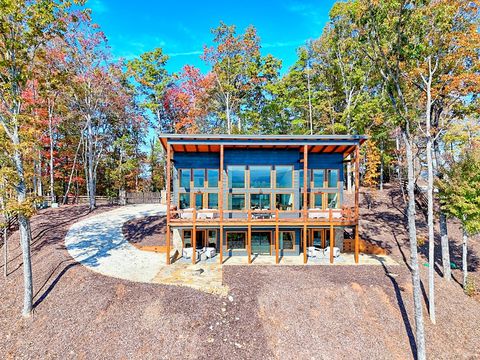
268, 195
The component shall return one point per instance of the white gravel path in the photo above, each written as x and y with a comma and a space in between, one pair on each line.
98, 243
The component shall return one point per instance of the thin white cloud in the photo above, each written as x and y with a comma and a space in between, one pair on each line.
185, 53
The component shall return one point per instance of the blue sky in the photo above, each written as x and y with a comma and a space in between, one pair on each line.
182, 27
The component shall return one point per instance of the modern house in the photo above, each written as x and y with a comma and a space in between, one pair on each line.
252, 195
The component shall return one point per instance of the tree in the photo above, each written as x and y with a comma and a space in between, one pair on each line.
370, 179
460, 196
24, 27
234, 62
152, 80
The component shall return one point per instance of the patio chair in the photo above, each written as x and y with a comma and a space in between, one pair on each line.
317, 214
312, 252
187, 253
336, 252
209, 252
187, 214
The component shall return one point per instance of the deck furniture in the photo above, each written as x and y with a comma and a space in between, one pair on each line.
187, 214
336, 252
209, 252
187, 253
207, 214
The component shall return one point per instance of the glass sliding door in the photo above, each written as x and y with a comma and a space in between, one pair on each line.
261, 242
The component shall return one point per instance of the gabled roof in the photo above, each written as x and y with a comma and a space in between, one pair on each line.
343, 144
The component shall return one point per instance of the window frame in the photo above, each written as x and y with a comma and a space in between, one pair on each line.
229, 179
280, 240
250, 176
258, 193
272, 239
286, 193
208, 200
208, 185
193, 177
236, 232
229, 201
292, 176
327, 178
180, 172
189, 199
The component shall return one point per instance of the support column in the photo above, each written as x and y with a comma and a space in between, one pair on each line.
249, 243
332, 243
357, 201
220, 202
277, 243
169, 164
194, 238
305, 243
305, 201
357, 245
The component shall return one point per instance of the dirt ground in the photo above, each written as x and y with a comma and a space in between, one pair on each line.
148, 231
337, 312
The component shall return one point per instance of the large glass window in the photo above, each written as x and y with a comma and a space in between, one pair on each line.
187, 238
198, 200
300, 178
236, 177
333, 200
198, 177
236, 201
287, 240
260, 201
318, 201
284, 176
184, 175
301, 201
212, 238
260, 177
184, 200
213, 201
284, 201
332, 178
236, 240
318, 178
212, 176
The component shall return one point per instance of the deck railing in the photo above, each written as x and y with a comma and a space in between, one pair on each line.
345, 214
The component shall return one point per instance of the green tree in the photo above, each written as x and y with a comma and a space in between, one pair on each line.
24, 27
460, 196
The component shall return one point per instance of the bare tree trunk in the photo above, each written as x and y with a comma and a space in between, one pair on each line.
65, 196
430, 224
464, 256
50, 135
310, 117
90, 165
412, 235
24, 225
227, 113
447, 270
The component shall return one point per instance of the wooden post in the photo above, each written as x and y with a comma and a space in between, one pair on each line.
332, 243
277, 244
357, 244
357, 180
305, 181
357, 204
194, 238
305, 201
221, 244
249, 243
169, 164
220, 202
304, 243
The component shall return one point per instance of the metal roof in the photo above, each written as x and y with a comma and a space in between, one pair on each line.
211, 142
